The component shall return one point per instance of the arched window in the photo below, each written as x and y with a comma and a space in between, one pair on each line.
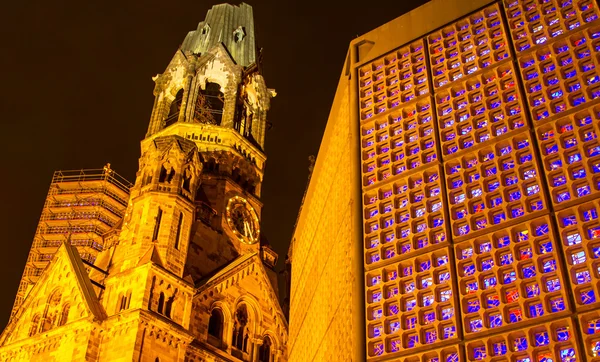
264, 352
178, 235
64, 316
161, 303
167, 172
240, 331
187, 179
35, 321
209, 104
169, 306
215, 324
157, 225
124, 301
174, 109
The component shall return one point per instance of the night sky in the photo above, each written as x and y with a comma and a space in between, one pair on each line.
77, 93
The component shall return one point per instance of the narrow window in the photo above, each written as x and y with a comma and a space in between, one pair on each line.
174, 109
215, 324
179, 226
161, 303
64, 317
157, 225
34, 325
169, 306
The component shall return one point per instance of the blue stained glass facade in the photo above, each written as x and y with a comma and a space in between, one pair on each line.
516, 139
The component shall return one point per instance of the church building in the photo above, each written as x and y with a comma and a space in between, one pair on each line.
173, 267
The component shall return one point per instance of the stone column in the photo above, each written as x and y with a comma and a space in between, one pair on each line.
230, 99
256, 343
189, 75
276, 355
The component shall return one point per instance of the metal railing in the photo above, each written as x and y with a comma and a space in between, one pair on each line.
75, 229
82, 215
85, 202
88, 190
103, 174
40, 243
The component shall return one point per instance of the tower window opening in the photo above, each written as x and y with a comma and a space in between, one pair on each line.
179, 226
161, 303
169, 306
174, 109
167, 173
187, 180
209, 105
157, 225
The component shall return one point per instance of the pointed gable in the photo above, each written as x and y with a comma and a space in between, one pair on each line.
64, 293
239, 273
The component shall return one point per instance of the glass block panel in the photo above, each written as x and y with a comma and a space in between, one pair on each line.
456, 54
489, 203
417, 307
581, 247
501, 294
524, 343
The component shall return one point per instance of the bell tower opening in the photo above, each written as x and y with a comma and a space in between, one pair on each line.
174, 109
209, 105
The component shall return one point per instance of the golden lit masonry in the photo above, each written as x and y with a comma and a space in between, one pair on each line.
452, 213
173, 267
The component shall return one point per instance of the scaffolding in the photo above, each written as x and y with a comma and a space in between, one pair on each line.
81, 206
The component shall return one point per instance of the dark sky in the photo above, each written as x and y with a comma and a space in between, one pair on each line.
76, 92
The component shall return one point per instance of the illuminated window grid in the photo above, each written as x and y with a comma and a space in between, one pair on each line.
397, 78
479, 109
533, 23
411, 305
571, 156
496, 186
552, 341
580, 235
563, 75
449, 354
467, 46
590, 327
510, 278
403, 140
405, 218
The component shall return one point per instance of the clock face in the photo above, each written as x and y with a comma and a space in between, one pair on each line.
242, 219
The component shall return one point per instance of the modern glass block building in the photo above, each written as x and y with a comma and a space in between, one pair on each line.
477, 126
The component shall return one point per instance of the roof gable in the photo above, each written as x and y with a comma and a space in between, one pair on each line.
237, 273
63, 286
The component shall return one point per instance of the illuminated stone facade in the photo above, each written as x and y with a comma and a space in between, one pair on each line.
470, 139
183, 274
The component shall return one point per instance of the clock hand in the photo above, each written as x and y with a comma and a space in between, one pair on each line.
248, 230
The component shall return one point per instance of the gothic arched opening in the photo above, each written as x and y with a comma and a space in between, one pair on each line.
240, 329
215, 327
209, 104
174, 109
264, 352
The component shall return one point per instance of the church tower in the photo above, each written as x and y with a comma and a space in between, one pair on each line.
186, 275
